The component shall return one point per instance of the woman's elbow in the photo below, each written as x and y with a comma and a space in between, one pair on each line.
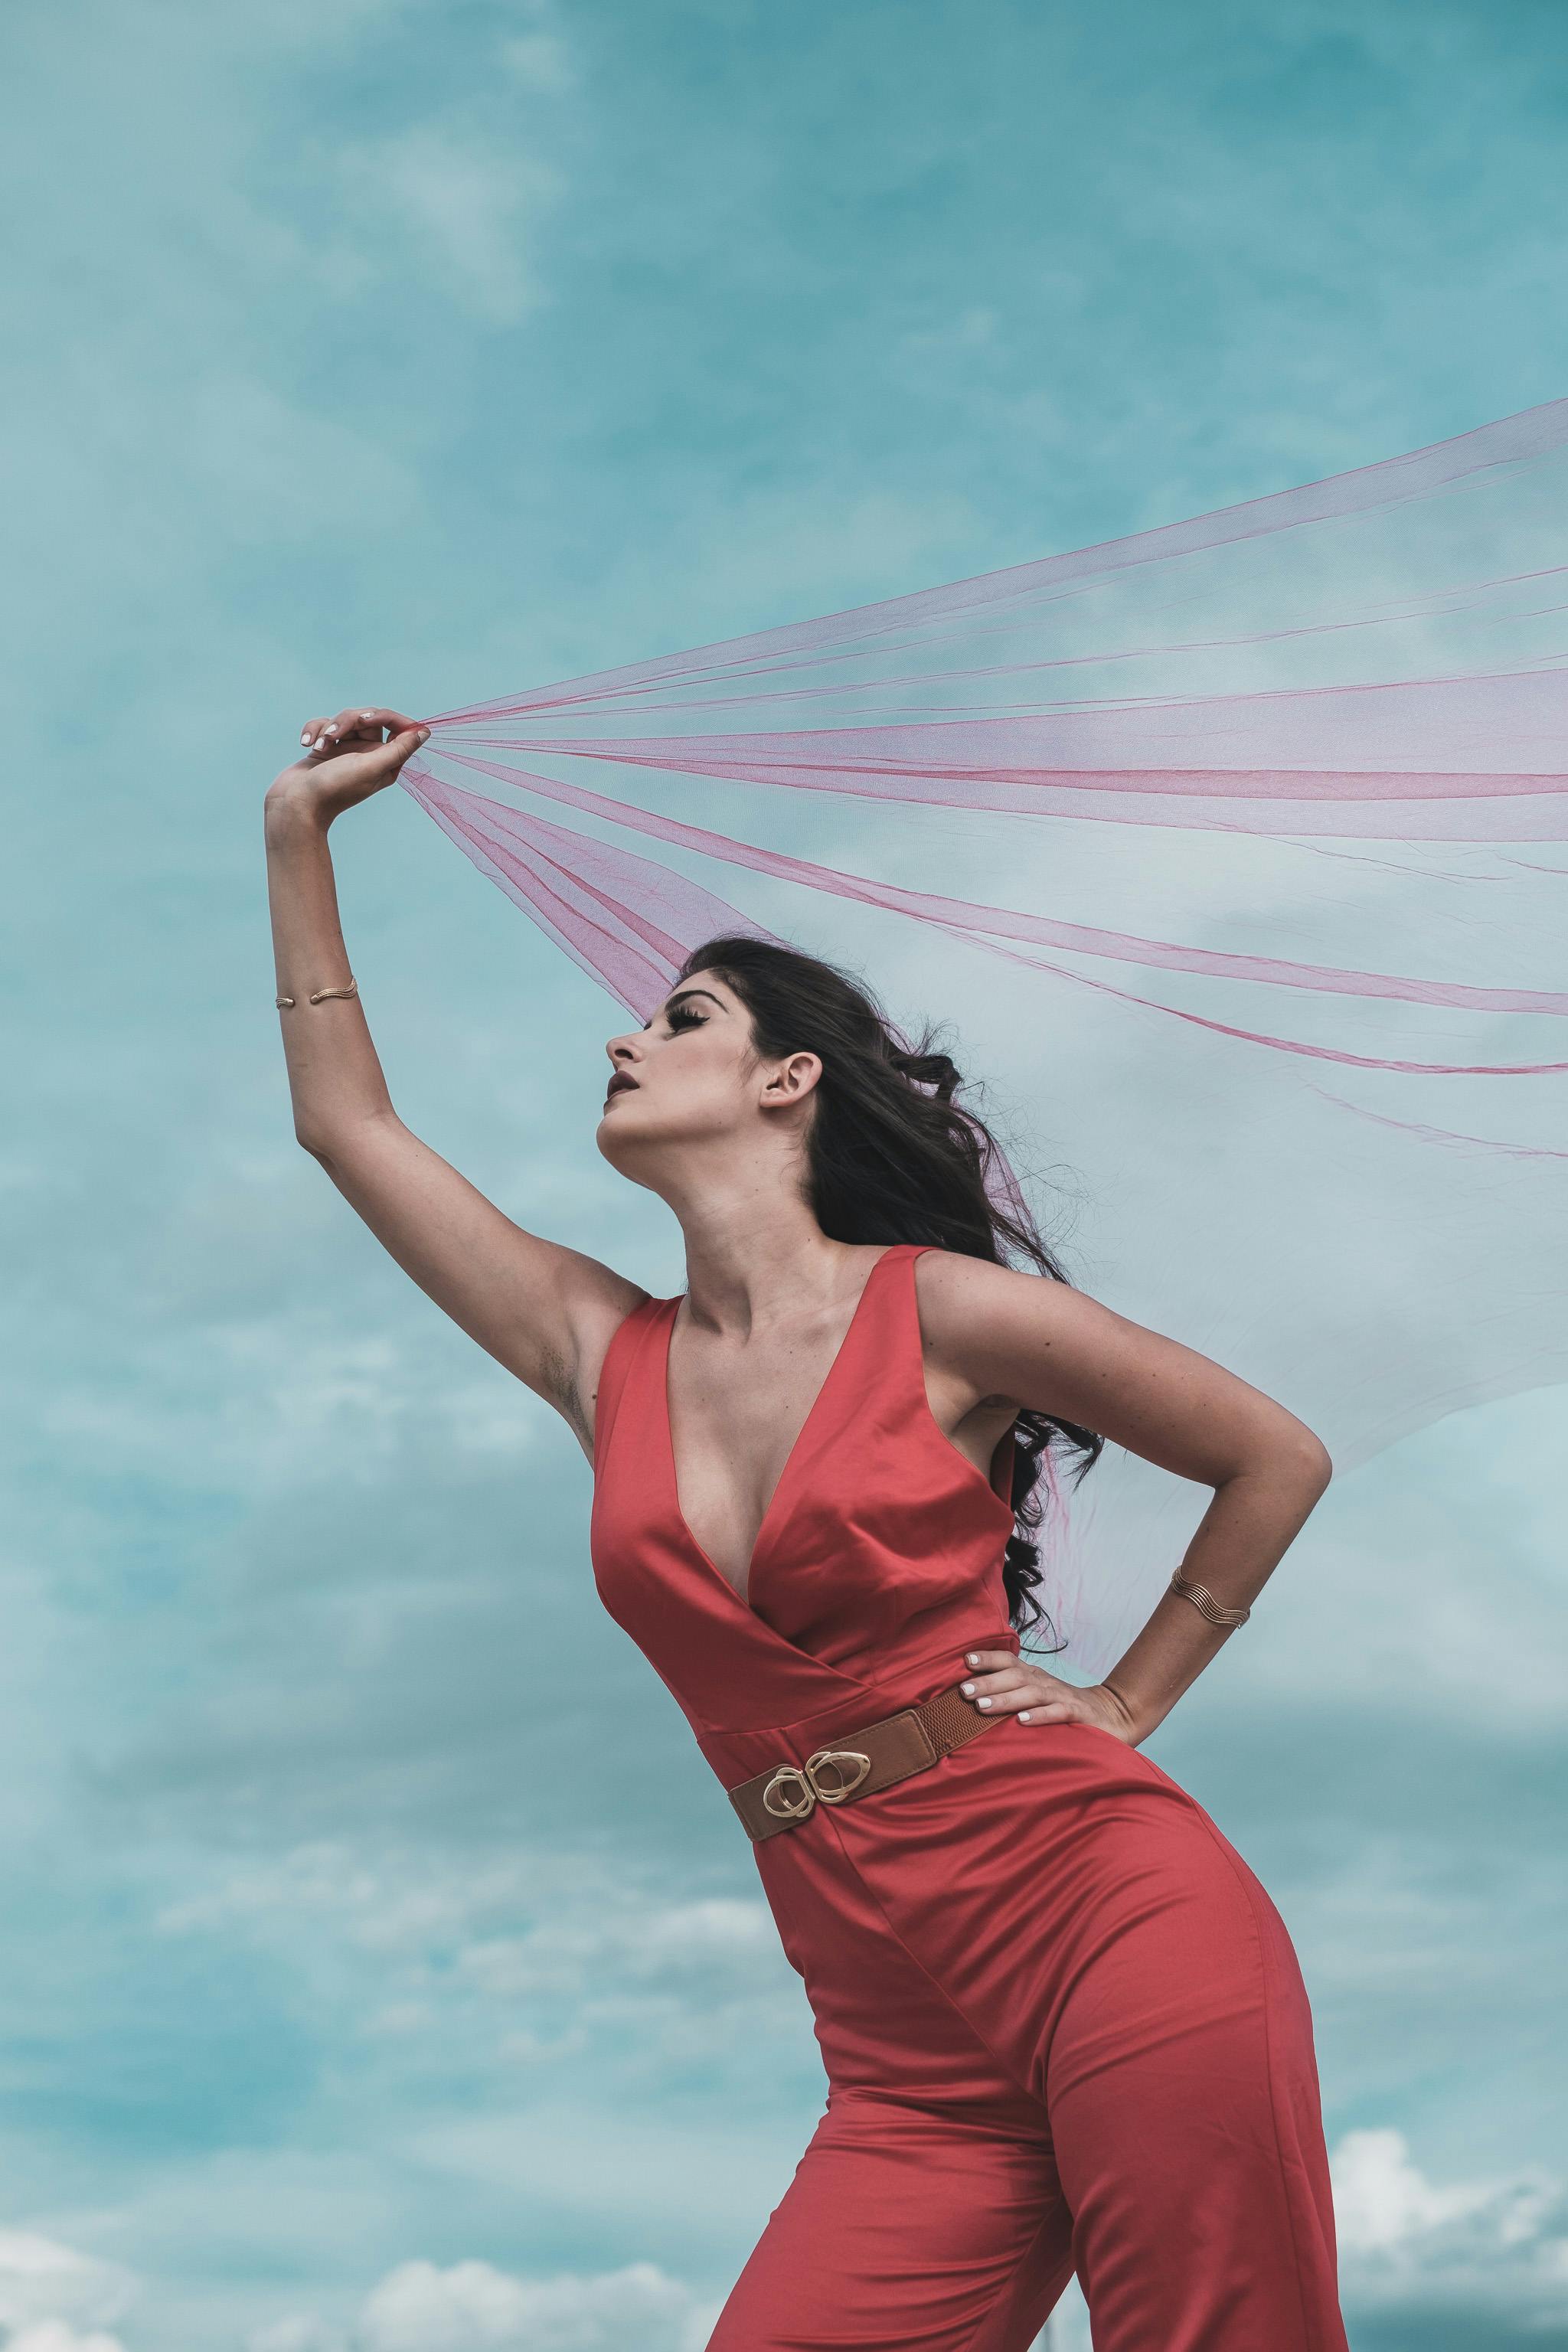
1312, 1458
310, 1140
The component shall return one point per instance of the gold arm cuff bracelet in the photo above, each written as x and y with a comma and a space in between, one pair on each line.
319, 996
1205, 1604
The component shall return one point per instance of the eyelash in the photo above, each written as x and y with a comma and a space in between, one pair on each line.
686, 1016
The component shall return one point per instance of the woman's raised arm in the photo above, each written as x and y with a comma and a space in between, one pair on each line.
546, 1312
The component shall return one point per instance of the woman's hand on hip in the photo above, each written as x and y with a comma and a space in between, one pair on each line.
344, 760
1004, 1685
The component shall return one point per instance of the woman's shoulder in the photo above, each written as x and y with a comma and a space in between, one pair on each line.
612, 1318
953, 1280
959, 1296
596, 1312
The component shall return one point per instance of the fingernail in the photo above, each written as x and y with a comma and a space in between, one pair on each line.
973, 1656
304, 739
981, 1701
967, 1688
1023, 1715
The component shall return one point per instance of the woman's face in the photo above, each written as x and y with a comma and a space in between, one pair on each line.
694, 1077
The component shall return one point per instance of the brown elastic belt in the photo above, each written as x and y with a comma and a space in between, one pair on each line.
868, 1760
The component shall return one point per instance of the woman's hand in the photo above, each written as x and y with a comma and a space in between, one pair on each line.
344, 761
1005, 1684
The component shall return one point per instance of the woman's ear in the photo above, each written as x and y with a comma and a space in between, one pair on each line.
792, 1081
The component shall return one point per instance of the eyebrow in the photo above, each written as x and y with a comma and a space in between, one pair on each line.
681, 994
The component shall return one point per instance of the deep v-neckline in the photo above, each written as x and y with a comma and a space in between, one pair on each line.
764, 1528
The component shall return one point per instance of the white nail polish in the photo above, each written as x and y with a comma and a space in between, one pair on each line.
968, 1689
981, 1701
1023, 1715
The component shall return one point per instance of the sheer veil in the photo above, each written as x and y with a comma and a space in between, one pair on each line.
1229, 856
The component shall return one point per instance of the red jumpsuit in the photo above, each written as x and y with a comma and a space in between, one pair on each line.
1063, 2024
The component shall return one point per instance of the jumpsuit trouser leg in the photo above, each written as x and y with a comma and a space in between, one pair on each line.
1164, 2140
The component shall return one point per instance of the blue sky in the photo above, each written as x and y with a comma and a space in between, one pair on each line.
376, 348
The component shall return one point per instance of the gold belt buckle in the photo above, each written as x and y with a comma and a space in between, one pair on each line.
798, 1787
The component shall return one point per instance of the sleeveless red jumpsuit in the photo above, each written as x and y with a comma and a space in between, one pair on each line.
1062, 2022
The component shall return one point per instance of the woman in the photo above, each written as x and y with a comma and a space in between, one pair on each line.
1063, 2024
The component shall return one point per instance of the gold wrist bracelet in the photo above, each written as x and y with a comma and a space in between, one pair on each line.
319, 996
1205, 1604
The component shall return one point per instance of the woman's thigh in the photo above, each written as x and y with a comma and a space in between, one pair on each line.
905, 2229
1182, 2089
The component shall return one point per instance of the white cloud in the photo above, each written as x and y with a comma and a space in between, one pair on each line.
538, 61
464, 209
56, 2336
296, 2332
54, 2299
716, 1936
1384, 2201
578, 1922
1407, 2239
472, 2307
534, 1960
392, 1903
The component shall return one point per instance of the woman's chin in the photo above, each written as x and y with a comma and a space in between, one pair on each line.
608, 1144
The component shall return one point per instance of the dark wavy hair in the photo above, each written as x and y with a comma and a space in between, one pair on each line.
892, 1157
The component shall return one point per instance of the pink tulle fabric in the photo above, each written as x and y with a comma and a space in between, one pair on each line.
1233, 852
